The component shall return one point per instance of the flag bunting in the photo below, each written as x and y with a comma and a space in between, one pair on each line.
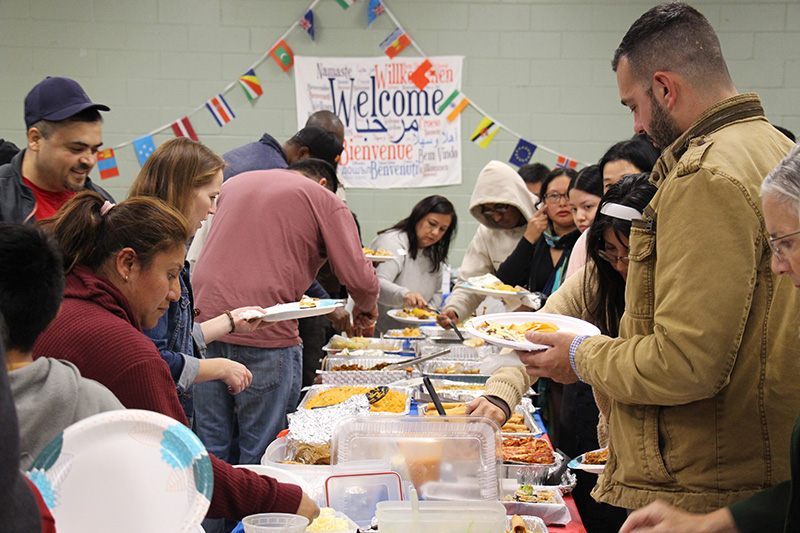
523, 153
183, 128
220, 110
485, 132
307, 23
395, 43
144, 146
282, 55
107, 164
251, 85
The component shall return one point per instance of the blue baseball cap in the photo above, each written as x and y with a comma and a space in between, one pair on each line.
57, 99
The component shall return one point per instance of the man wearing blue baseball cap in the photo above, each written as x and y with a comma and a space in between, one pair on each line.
64, 134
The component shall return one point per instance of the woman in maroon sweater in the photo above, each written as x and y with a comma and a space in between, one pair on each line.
123, 266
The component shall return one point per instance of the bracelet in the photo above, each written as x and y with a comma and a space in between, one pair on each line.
233, 324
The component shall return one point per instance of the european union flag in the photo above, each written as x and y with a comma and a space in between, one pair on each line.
144, 146
522, 153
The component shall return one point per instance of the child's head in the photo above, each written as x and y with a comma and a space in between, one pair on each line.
585, 193
31, 283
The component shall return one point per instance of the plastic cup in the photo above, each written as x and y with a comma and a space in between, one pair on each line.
275, 523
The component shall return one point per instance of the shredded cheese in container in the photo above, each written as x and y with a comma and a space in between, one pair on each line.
328, 521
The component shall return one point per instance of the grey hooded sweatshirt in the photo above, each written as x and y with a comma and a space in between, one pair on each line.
497, 183
51, 395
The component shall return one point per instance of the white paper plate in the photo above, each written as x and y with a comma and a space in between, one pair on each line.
379, 258
128, 471
577, 464
292, 311
409, 319
564, 323
489, 292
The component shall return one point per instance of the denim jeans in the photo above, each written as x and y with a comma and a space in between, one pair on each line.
262, 407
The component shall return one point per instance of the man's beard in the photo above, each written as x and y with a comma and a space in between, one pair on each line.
663, 128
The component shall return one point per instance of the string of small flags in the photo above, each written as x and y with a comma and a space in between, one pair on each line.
397, 41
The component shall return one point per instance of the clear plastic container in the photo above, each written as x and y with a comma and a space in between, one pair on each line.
453, 450
275, 523
357, 495
441, 517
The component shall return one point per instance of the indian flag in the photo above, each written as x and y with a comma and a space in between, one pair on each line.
454, 105
250, 84
485, 132
345, 3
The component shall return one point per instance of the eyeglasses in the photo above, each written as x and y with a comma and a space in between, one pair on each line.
500, 209
614, 258
555, 197
786, 246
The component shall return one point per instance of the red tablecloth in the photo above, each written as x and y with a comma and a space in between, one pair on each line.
575, 524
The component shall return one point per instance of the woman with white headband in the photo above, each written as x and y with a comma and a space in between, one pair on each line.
596, 293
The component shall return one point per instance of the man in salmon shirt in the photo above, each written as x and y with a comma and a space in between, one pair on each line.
64, 134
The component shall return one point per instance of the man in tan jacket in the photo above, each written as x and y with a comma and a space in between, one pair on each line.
701, 377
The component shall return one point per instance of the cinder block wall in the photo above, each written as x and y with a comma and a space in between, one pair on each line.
540, 67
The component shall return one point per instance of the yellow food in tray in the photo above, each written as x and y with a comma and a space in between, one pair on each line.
393, 402
450, 409
515, 424
456, 368
407, 332
515, 332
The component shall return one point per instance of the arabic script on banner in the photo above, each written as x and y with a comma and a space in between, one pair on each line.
395, 134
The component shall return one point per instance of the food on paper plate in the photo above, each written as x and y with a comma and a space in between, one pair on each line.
489, 281
407, 332
529, 494
450, 409
528, 450
416, 313
456, 368
352, 343
393, 402
307, 302
515, 424
328, 521
514, 332
598, 457
379, 252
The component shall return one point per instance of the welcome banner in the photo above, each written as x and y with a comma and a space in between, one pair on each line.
396, 134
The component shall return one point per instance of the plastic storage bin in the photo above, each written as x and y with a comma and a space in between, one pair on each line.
461, 452
357, 495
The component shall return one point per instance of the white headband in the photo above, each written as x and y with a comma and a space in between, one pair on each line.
622, 212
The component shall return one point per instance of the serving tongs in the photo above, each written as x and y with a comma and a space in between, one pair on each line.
415, 361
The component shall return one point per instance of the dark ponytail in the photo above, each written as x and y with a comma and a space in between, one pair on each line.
147, 225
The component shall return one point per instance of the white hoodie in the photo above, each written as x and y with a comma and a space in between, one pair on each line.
497, 183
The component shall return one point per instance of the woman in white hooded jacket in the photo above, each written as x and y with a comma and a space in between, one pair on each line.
503, 205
